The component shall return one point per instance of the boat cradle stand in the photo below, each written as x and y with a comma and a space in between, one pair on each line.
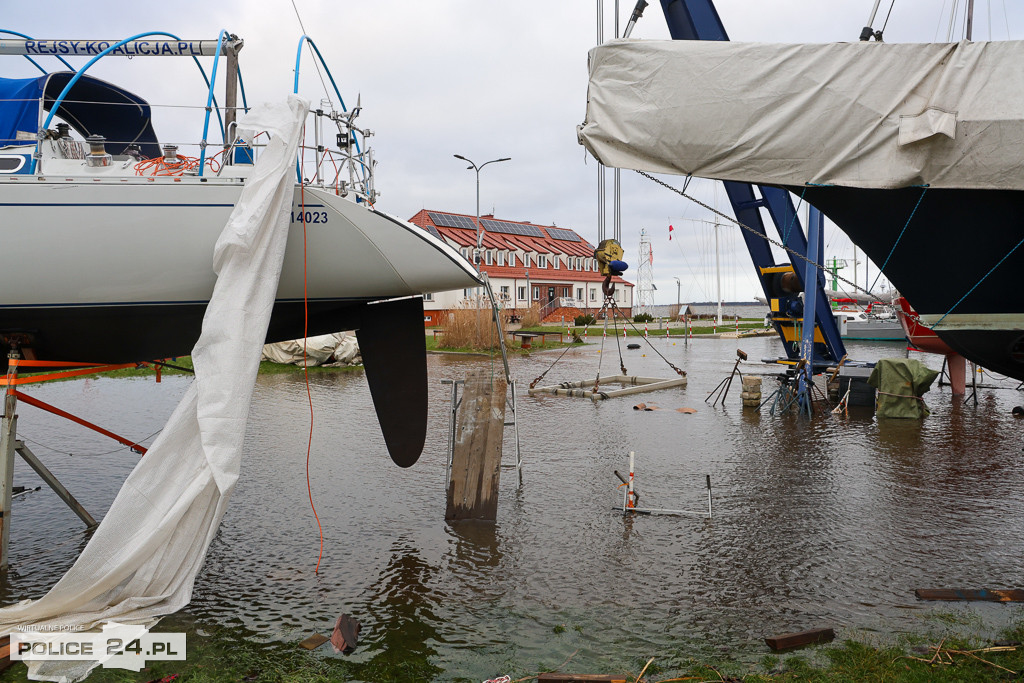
630, 385
10, 445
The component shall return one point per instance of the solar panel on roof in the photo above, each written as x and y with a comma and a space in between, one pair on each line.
433, 231
512, 228
564, 235
448, 220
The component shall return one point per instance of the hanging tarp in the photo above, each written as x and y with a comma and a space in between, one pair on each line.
901, 383
142, 561
864, 114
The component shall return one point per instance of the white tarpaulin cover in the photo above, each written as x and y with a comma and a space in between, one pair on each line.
337, 348
864, 114
143, 558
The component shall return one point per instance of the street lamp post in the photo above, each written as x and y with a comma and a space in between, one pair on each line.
479, 244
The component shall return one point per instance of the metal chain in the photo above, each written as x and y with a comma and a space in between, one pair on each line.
760, 234
680, 372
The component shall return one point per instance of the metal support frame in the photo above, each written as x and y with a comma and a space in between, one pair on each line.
699, 20
722, 390
9, 445
630, 497
815, 246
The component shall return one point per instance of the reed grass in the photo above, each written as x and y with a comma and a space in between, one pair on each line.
473, 329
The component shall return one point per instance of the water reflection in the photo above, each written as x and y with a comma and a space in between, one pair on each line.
400, 633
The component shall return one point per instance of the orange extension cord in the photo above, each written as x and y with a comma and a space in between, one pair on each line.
305, 368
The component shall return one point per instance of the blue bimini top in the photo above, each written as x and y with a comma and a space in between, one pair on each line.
91, 107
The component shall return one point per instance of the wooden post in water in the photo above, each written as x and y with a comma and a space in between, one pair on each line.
476, 455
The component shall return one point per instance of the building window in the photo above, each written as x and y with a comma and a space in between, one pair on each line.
542, 260
567, 292
593, 294
429, 296
467, 293
511, 258
465, 252
586, 264
488, 258
579, 263
579, 293
536, 293
501, 258
504, 293
522, 294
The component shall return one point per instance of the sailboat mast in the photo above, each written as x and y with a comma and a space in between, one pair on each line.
718, 273
970, 19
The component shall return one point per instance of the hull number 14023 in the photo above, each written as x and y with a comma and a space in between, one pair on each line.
309, 216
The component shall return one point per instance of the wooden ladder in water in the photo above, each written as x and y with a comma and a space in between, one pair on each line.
478, 492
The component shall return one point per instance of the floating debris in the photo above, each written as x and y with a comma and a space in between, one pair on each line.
346, 634
589, 388
791, 640
314, 641
983, 594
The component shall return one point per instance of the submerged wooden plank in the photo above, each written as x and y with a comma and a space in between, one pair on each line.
476, 456
790, 640
314, 641
983, 594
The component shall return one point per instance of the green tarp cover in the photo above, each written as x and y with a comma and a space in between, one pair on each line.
900, 383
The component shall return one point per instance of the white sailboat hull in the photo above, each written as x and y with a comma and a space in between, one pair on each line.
119, 269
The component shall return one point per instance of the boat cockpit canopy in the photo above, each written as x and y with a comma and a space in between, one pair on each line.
91, 107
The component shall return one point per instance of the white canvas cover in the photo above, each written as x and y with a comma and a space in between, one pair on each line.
339, 348
143, 558
864, 114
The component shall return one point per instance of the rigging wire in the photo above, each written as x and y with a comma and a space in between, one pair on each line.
313, 56
748, 229
887, 15
90, 455
938, 24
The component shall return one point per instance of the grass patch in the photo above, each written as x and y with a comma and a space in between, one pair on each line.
231, 652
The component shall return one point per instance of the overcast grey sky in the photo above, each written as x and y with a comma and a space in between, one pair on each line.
484, 79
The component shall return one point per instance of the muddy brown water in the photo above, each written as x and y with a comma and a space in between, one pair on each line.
828, 522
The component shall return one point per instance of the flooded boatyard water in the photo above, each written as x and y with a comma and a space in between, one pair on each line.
826, 522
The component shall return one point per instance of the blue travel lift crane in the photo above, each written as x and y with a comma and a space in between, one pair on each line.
809, 348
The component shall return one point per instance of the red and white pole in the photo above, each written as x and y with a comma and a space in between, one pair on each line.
630, 498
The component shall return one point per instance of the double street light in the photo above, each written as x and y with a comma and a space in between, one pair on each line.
479, 243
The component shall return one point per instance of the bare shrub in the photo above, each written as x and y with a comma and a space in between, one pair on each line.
530, 316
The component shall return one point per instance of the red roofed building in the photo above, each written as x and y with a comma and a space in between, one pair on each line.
527, 264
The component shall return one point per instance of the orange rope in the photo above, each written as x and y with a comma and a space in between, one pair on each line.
159, 166
305, 365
